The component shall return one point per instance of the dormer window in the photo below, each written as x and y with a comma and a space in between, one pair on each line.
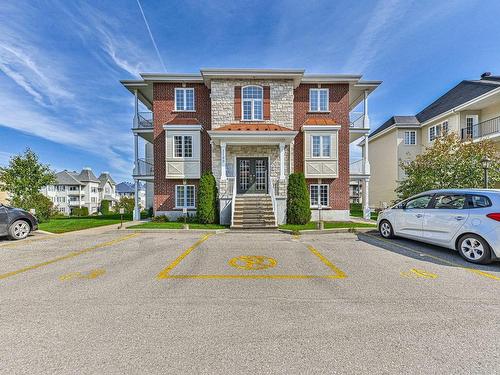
184, 99
252, 103
318, 100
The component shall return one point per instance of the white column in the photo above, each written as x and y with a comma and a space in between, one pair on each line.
136, 110
282, 161
223, 161
366, 119
366, 172
137, 210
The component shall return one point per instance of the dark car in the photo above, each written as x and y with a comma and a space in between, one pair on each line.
16, 223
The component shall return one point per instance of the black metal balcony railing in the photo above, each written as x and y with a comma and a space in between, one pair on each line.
145, 167
145, 120
482, 129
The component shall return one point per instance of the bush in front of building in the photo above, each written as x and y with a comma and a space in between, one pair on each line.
43, 206
207, 212
160, 219
105, 207
298, 209
80, 211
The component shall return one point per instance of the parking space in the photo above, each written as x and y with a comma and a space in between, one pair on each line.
120, 301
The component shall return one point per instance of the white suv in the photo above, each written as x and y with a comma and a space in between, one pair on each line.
467, 220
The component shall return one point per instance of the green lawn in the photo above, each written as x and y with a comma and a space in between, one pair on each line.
357, 211
328, 225
176, 225
69, 224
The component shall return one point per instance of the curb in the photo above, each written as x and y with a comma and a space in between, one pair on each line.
216, 231
328, 231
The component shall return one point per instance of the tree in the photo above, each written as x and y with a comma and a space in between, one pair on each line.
449, 163
125, 203
24, 177
44, 208
105, 207
298, 207
207, 212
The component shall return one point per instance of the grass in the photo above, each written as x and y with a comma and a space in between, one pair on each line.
357, 211
328, 225
70, 224
176, 225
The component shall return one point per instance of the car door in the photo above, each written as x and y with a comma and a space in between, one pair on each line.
3, 221
409, 220
446, 215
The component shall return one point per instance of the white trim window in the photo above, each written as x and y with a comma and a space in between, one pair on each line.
445, 127
184, 99
318, 100
319, 193
252, 103
438, 130
183, 146
410, 137
185, 196
321, 146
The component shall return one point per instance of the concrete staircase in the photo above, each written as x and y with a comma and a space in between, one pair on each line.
253, 212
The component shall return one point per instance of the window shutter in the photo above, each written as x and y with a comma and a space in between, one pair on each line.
267, 102
237, 102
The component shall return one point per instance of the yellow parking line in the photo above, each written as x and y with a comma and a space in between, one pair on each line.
251, 277
68, 256
470, 269
164, 272
333, 267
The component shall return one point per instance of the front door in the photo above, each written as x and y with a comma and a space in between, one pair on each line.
252, 175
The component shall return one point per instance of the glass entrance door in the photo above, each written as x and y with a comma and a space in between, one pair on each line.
252, 175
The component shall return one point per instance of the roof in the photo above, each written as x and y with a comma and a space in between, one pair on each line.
66, 178
394, 121
253, 127
86, 175
320, 121
125, 187
105, 177
183, 121
460, 94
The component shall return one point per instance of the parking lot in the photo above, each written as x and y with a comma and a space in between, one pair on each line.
114, 301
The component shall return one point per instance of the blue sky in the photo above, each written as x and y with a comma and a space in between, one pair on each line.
61, 61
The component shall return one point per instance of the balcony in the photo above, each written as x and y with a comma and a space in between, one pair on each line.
144, 169
76, 192
359, 169
144, 125
486, 129
357, 126
75, 202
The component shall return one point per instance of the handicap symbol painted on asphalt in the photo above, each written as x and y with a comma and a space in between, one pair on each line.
252, 262
414, 273
79, 275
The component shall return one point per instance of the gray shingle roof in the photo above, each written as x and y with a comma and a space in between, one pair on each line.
66, 178
460, 94
125, 187
87, 175
396, 120
103, 178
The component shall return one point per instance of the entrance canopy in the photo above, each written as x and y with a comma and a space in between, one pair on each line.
252, 134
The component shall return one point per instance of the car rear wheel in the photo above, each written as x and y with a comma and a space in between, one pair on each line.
474, 249
19, 230
385, 229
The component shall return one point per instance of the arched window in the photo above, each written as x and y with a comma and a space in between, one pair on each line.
251, 102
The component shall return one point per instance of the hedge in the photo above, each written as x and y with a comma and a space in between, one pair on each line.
298, 209
207, 212
80, 211
105, 207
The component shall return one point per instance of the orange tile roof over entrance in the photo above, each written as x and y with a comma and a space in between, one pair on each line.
320, 121
183, 121
253, 127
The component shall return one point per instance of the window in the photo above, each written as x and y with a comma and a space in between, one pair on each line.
419, 202
252, 102
321, 146
62, 209
319, 194
73, 188
438, 130
449, 201
184, 99
93, 199
61, 188
94, 190
183, 146
318, 100
479, 201
444, 127
184, 196
410, 137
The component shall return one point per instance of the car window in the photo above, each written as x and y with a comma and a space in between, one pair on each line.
479, 201
450, 201
419, 202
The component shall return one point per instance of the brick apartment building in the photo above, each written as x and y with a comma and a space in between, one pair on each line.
251, 128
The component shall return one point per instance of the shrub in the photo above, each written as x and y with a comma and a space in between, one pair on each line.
298, 210
207, 212
44, 208
80, 211
188, 218
160, 219
105, 207
150, 212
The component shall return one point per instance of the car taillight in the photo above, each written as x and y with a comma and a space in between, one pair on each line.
494, 216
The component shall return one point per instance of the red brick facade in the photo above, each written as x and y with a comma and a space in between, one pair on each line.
338, 111
163, 109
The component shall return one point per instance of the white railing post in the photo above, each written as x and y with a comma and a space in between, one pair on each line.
233, 200
223, 161
273, 199
137, 211
366, 119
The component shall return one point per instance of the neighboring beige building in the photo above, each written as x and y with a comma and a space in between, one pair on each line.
470, 109
3, 197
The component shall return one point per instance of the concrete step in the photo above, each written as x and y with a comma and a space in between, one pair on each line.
253, 216
251, 226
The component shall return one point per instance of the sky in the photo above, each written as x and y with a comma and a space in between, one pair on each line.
61, 61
